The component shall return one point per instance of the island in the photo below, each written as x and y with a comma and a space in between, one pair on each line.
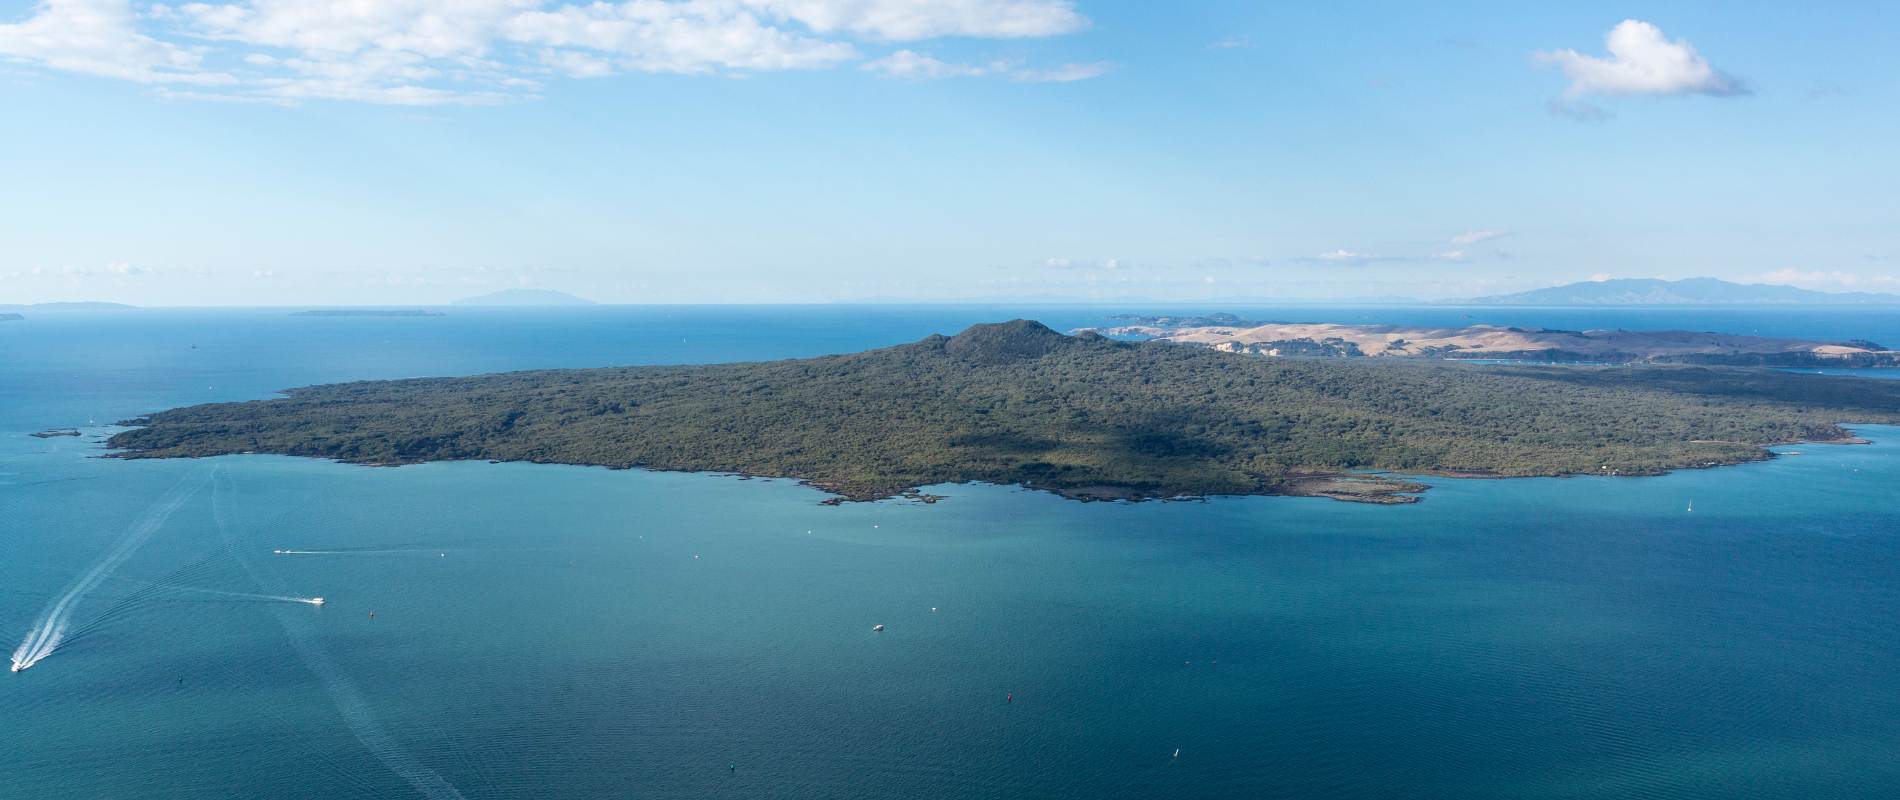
11, 317
54, 433
1494, 342
1084, 416
367, 312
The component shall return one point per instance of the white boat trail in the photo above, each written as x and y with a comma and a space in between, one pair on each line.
50, 630
274, 598
343, 692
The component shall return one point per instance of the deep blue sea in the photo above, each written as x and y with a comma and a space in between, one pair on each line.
513, 630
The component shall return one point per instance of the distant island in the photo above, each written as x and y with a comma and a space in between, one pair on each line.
11, 317
524, 297
1687, 292
367, 312
1084, 416
1319, 339
68, 306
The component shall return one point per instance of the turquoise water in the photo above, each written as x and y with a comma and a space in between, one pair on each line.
571, 632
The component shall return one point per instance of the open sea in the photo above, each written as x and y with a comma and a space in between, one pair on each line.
513, 630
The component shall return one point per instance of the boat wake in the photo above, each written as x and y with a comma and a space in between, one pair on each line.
307, 642
268, 598
50, 631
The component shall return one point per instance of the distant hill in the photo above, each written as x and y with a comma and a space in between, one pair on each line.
524, 297
1687, 292
78, 306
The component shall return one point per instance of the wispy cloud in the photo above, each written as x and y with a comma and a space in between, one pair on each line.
471, 52
1072, 263
1064, 73
1458, 254
915, 66
101, 37
1834, 280
1344, 256
1579, 110
1474, 237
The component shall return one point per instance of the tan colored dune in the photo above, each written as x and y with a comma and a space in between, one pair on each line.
1479, 340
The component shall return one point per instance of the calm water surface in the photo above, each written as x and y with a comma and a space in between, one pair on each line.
569, 632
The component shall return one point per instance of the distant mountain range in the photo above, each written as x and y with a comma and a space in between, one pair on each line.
524, 297
1687, 292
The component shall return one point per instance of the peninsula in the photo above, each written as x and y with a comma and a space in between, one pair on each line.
1084, 416
1225, 332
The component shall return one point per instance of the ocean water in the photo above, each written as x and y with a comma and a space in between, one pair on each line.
565, 632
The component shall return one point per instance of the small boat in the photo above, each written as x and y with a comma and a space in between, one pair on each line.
316, 601
877, 628
1177, 752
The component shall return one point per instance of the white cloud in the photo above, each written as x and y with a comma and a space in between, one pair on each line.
915, 66
435, 52
577, 64
112, 269
1601, 277
430, 28
1231, 43
1474, 237
692, 37
1451, 255
911, 65
1064, 73
1110, 265
910, 20
1641, 61
1343, 256
1828, 280
100, 37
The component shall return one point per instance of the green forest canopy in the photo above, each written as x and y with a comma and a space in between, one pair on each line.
1018, 403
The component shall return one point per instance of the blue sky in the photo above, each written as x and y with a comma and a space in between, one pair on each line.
281, 152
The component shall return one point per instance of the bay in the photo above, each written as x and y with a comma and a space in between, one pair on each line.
573, 632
